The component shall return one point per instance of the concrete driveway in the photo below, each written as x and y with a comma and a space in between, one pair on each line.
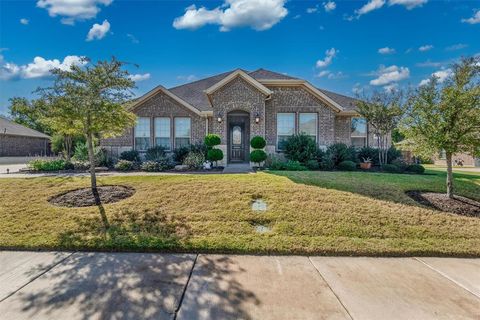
64, 285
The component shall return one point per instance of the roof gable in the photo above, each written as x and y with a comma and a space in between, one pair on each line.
235, 74
8, 127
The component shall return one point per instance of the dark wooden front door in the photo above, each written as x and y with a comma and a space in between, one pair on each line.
237, 142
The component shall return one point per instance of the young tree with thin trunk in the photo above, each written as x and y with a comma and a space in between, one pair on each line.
383, 111
446, 117
90, 99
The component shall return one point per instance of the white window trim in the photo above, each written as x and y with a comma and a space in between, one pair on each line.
169, 131
316, 124
294, 128
149, 136
174, 133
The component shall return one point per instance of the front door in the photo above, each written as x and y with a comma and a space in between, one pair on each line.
237, 142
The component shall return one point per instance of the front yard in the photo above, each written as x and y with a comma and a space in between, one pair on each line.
347, 213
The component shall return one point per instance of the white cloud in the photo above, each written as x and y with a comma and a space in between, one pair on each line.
322, 74
370, 6
331, 75
429, 63
329, 55
441, 76
73, 10
426, 47
297, 16
409, 4
474, 19
386, 50
312, 10
132, 38
24, 21
458, 46
388, 75
329, 6
140, 77
257, 14
187, 78
98, 31
39, 68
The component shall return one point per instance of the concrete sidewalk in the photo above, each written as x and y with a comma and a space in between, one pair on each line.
62, 285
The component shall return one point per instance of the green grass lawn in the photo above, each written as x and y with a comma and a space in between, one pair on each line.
345, 213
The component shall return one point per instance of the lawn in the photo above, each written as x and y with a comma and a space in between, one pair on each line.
345, 213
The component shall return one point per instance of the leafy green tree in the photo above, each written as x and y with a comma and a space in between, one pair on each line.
383, 111
28, 114
89, 101
447, 116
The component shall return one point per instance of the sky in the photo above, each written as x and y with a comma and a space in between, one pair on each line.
343, 46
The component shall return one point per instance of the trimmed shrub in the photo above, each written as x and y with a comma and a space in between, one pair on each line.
347, 166
194, 160
68, 166
258, 156
212, 140
214, 155
125, 165
312, 165
179, 154
258, 142
130, 155
300, 148
155, 153
327, 164
273, 162
294, 166
340, 152
47, 165
393, 155
391, 168
415, 168
161, 164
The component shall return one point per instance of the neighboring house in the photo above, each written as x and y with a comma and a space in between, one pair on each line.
239, 105
19, 141
459, 159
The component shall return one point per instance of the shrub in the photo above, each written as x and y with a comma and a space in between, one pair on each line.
194, 160
300, 148
101, 155
258, 142
294, 166
81, 152
347, 166
156, 166
391, 168
131, 155
312, 165
212, 140
415, 168
426, 160
68, 166
258, 156
125, 165
155, 153
56, 143
179, 154
273, 162
214, 155
340, 152
368, 152
102, 158
327, 164
393, 155
402, 166
47, 165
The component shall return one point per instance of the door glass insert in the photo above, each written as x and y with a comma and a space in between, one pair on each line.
237, 135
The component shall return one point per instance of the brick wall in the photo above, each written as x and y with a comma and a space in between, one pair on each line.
19, 146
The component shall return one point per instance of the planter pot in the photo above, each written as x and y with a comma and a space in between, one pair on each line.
365, 165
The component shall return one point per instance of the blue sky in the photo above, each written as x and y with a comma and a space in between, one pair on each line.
343, 46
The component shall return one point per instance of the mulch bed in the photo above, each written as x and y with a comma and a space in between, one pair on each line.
84, 197
440, 201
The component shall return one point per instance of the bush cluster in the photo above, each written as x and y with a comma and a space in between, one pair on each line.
125, 165
194, 160
48, 165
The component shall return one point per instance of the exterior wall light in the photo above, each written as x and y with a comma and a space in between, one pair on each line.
219, 118
257, 118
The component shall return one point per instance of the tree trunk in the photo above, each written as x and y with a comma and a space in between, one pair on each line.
68, 147
449, 175
93, 177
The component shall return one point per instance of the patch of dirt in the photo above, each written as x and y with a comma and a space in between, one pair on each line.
84, 197
440, 201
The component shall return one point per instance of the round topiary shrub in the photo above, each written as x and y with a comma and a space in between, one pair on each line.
214, 155
212, 140
391, 168
347, 166
258, 142
258, 156
415, 168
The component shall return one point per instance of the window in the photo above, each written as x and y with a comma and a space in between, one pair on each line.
307, 124
142, 134
182, 132
285, 128
162, 132
359, 132
442, 155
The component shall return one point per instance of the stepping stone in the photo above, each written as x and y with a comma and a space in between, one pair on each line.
262, 229
259, 205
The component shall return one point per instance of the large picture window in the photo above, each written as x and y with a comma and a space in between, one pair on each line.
285, 128
162, 132
359, 132
307, 124
182, 132
142, 134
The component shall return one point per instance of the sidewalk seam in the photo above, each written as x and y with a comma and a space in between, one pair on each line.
446, 276
185, 288
36, 277
331, 289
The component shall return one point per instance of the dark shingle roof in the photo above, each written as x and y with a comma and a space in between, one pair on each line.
14, 129
348, 103
267, 74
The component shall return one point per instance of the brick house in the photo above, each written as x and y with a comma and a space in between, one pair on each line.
19, 141
239, 105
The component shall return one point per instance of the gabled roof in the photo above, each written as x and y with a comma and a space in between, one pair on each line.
348, 103
267, 74
8, 127
235, 74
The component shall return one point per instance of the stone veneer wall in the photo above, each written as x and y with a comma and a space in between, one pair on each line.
343, 129
19, 146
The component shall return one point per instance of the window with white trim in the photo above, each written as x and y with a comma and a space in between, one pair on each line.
307, 124
142, 134
182, 132
359, 132
285, 128
162, 132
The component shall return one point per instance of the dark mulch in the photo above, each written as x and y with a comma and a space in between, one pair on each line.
440, 201
84, 197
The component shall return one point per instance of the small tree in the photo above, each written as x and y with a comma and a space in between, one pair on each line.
383, 111
213, 154
446, 117
258, 155
89, 99
28, 113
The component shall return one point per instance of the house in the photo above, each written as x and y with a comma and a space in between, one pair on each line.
19, 141
239, 105
458, 159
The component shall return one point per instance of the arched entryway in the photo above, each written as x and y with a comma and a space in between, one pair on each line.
238, 137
